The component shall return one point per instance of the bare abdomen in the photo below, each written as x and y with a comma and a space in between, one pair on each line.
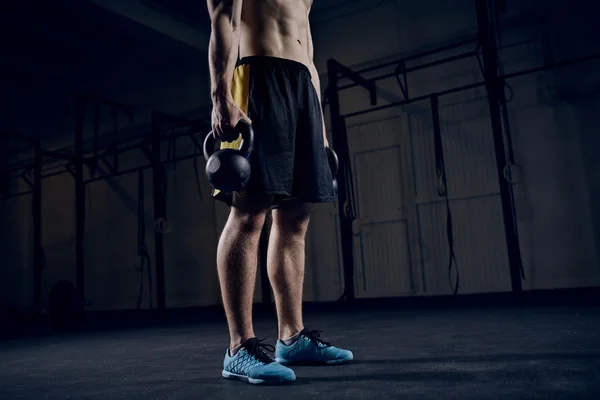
276, 32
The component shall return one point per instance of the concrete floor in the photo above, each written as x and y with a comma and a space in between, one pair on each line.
533, 353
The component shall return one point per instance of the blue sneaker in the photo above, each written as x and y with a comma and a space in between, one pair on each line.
252, 364
309, 348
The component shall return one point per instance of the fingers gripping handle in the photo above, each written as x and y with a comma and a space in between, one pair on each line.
245, 130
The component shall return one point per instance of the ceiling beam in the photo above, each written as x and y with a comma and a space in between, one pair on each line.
159, 20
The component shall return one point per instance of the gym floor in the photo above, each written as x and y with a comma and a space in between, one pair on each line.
495, 353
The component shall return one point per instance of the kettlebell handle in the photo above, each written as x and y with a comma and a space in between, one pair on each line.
244, 128
332, 158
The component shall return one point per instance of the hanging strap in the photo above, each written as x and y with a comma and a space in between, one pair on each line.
442, 191
142, 248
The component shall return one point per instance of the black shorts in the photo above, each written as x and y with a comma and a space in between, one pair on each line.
289, 161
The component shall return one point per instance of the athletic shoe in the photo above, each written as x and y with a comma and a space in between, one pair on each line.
309, 348
252, 364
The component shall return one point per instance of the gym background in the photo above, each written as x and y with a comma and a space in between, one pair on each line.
106, 213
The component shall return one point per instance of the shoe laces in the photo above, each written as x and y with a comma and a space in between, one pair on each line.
257, 349
315, 337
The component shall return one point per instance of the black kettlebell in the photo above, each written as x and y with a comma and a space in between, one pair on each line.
229, 169
334, 165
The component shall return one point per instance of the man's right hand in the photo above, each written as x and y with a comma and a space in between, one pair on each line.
225, 117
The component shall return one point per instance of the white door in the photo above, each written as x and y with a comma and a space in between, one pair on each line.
381, 230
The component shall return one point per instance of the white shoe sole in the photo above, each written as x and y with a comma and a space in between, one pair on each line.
283, 361
254, 381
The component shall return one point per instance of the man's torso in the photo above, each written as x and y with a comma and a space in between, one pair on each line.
276, 28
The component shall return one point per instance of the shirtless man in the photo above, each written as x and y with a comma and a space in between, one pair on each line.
273, 85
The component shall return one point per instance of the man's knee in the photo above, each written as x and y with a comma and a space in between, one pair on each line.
249, 213
248, 222
293, 218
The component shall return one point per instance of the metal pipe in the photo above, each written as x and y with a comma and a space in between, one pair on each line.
11, 135
51, 174
112, 175
356, 78
36, 209
57, 155
416, 68
121, 150
14, 167
15, 195
476, 85
495, 89
136, 169
426, 65
565, 63
128, 109
79, 204
414, 99
418, 55
158, 181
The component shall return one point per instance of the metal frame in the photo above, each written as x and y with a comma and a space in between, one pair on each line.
75, 162
494, 82
36, 208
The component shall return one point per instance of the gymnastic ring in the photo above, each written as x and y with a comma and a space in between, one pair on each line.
347, 210
440, 187
506, 171
163, 225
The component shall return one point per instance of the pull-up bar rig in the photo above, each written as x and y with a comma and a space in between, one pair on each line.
76, 160
494, 83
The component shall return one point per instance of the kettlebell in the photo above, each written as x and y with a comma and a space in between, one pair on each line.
228, 170
333, 165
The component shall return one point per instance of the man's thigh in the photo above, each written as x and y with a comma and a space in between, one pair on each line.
251, 203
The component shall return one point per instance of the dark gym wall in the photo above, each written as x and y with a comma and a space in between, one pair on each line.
573, 32
553, 138
141, 67
553, 128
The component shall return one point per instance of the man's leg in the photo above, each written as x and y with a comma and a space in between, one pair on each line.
237, 262
285, 265
237, 259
